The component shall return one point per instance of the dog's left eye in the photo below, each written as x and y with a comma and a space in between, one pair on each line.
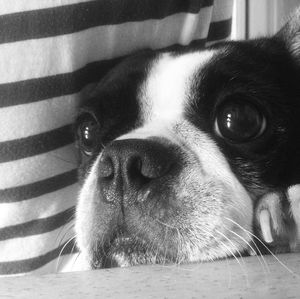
239, 121
87, 133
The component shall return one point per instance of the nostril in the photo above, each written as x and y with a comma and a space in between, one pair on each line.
155, 169
132, 166
136, 164
135, 171
106, 169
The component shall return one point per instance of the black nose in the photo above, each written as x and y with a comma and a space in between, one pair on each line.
126, 166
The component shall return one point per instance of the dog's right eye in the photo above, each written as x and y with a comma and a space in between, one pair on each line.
239, 121
87, 134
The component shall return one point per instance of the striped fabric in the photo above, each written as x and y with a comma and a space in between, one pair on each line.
51, 52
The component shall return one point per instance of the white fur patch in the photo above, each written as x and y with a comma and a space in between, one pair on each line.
83, 209
166, 90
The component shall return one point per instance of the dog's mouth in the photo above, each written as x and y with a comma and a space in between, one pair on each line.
131, 251
124, 250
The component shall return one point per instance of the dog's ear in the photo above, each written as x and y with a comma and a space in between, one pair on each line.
290, 34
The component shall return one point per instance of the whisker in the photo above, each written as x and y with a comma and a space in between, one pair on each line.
68, 226
243, 268
61, 251
152, 250
179, 245
263, 263
163, 246
257, 248
219, 242
179, 258
224, 236
74, 262
68, 230
102, 247
136, 235
157, 249
74, 245
62, 228
276, 258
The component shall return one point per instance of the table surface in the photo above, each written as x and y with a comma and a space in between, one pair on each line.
248, 278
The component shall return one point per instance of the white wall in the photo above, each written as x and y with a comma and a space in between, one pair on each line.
265, 16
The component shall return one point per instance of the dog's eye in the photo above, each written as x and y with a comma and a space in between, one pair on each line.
239, 121
87, 133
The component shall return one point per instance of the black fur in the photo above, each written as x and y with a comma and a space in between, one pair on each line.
262, 72
114, 104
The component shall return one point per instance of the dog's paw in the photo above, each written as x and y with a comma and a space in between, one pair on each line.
294, 199
275, 220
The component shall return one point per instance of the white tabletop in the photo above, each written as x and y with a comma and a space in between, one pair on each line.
250, 278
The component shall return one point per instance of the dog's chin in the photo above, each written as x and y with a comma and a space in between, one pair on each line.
128, 251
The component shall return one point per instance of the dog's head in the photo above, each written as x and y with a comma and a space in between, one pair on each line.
177, 147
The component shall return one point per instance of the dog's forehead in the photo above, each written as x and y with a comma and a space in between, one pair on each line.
167, 87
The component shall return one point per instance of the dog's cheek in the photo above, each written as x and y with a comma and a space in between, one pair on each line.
84, 219
86, 226
217, 215
220, 202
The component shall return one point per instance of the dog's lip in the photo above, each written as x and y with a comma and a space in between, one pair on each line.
125, 246
121, 241
125, 241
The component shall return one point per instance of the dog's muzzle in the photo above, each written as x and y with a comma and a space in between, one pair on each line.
148, 201
132, 182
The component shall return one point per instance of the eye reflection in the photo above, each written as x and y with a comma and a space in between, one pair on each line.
239, 121
87, 133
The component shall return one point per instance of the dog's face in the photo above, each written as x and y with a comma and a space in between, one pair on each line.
177, 148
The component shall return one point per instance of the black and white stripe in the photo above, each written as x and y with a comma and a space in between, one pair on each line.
49, 52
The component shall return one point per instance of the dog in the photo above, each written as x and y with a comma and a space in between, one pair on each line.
192, 155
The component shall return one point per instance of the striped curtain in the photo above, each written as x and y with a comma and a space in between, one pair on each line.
51, 52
